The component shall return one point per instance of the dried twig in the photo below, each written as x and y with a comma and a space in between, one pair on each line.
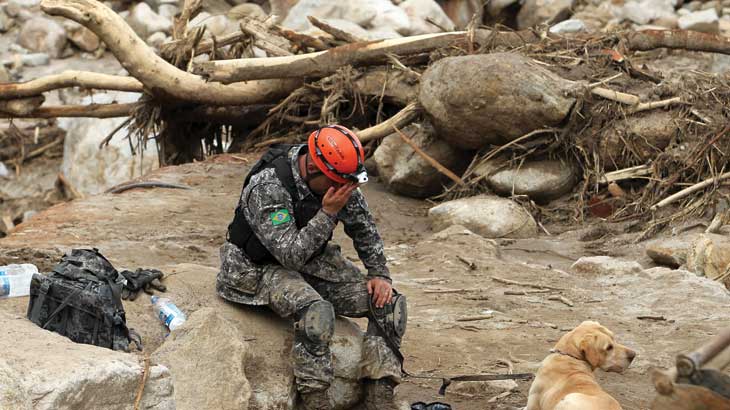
687, 191
623, 98
655, 104
385, 128
526, 292
529, 285
474, 318
563, 299
142, 382
657, 318
470, 264
334, 31
450, 290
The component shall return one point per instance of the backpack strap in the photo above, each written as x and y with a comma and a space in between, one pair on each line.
64, 303
35, 312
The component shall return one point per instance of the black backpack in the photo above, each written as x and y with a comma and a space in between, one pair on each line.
81, 299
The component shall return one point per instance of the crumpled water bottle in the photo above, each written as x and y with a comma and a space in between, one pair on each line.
167, 312
15, 279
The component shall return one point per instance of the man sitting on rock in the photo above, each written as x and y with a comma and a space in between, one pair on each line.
279, 254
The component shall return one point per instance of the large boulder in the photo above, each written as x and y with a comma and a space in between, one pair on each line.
218, 330
541, 180
605, 266
92, 170
535, 12
670, 252
50, 372
44, 35
493, 98
405, 172
420, 10
488, 216
144, 21
709, 256
206, 350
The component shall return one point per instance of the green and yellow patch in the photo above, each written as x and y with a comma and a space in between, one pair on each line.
280, 217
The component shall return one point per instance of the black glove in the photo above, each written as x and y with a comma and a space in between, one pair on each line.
141, 280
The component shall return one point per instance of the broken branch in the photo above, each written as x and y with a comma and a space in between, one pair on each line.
385, 128
687, 191
83, 79
161, 78
677, 39
91, 110
334, 31
562, 299
529, 285
442, 169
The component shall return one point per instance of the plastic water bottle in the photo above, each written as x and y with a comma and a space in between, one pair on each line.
168, 313
15, 279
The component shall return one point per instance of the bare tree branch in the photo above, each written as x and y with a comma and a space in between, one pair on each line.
66, 79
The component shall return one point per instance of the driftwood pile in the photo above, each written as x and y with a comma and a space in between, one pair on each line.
641, 140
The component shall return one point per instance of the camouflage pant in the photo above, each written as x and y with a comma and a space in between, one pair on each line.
288, 293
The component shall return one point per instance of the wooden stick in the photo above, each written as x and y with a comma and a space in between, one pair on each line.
429, 159
450, 290
142, 382
385, 128
529, 285
677, 39
562, 299
623, 98
271, 43
70, 78
526, 292
91, 110
626, 173
66, 184
334, 31
687, 191
474, 318
656, 104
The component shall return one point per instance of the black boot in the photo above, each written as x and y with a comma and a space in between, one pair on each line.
380, 395
316, 400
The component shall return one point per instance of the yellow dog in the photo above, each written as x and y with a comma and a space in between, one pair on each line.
565, 380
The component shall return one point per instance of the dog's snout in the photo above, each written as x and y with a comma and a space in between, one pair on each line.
631, 355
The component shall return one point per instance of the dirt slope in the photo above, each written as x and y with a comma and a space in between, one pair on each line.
160, 227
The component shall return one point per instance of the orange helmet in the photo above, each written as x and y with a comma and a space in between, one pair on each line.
337, 152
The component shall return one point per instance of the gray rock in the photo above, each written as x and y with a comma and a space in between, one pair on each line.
488, 216
540, 180
359, 12
4, 74
420, 10
43, 35
709, 256
645, 11
493, 98
4, 173
92, 170
568, 26
156, 40
382, 34
144, 21
247, 10
605, 265
535, 12
670, 252
168, 11
6, 22
706, 21
193, 354
390, 16
52, 372
81, 37
405, 172
35, 59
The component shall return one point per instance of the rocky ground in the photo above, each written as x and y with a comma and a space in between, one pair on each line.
447, 277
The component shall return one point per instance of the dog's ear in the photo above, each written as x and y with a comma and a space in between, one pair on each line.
590, 350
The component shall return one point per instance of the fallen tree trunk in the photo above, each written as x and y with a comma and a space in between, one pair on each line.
66, 79
91, 110
677, 39
162, 79
326, 62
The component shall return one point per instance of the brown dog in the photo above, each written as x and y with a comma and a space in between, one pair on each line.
565, 380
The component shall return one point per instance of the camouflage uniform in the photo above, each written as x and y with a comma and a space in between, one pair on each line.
298, 281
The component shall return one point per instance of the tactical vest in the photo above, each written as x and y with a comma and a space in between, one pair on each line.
239, 230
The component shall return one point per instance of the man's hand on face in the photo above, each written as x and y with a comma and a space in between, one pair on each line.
336, 198
381, 291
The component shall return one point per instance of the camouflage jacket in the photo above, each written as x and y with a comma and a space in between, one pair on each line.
269, 209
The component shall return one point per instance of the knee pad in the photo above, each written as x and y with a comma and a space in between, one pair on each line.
392, 317
317, 323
